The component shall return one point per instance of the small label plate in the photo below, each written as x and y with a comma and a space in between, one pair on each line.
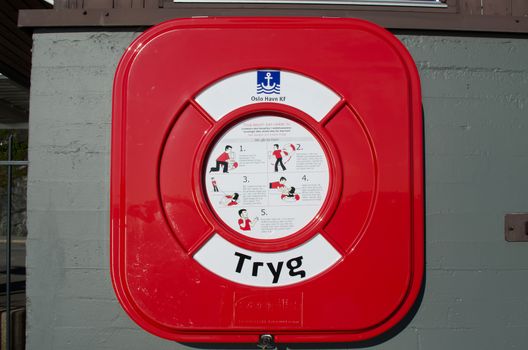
516, 227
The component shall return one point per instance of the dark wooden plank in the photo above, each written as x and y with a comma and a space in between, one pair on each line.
14, 48
388, 19
152, 4
14, 45
19, 4
14, 30
37, 4
497, 7
10, 9
471, 7
137, 4
98, 4
14, 75
9, 20
122, 4
18, 67
75, 4
61, 4
520, 8
18, 62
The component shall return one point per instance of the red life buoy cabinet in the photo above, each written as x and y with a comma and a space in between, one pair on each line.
267, 177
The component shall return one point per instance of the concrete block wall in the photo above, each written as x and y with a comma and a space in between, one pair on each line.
476, 144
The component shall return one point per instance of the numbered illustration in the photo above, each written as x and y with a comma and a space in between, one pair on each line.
281, 179
278, 154
282, 155
287, 193
244, 222
226, 160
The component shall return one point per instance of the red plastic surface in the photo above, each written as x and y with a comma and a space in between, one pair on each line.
373, 215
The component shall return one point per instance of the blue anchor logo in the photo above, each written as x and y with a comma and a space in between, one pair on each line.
268, 86
268, 82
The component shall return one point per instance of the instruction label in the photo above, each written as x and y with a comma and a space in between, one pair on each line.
267, 177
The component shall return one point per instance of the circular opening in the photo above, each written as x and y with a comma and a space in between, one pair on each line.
266, 177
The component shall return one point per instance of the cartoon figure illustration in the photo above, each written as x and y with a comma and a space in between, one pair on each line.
225, 160
213, 182
278, 153
245, 223
230, 200
282, 155
278, 185
287, 192
290, 195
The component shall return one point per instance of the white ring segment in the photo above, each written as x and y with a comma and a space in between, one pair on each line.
274, 269
242, 89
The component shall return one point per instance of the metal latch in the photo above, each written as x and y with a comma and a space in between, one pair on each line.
266, 342
516, 227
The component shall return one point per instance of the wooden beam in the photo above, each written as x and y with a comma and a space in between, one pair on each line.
387, 19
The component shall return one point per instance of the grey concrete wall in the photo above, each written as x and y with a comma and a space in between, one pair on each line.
476, 136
